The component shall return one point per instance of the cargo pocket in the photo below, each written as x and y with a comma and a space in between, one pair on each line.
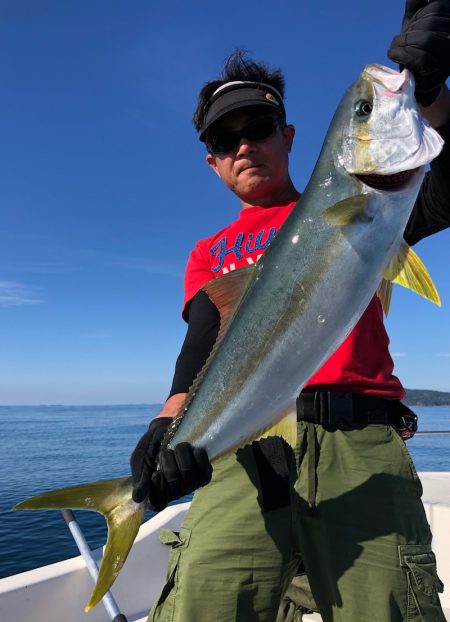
424, 585
163, 608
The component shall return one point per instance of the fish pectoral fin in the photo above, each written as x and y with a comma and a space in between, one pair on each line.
408, 270
348, 211
384, 293
112, 498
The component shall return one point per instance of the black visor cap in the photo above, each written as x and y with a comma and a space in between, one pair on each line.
237, 96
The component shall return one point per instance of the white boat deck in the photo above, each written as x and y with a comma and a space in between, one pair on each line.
59, 591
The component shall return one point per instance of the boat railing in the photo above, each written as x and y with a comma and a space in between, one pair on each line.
108, 601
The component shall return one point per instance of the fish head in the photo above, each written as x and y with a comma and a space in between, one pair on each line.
385, 139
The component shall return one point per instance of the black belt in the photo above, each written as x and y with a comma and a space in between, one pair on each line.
347, 409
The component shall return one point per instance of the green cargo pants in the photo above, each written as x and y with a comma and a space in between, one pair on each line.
352, 514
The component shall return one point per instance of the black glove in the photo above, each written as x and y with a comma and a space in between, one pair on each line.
143, 458
180, 471
423, 46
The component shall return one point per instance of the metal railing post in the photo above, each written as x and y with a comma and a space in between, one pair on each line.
108, 599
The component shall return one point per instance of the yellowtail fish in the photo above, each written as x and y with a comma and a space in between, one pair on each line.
282, 317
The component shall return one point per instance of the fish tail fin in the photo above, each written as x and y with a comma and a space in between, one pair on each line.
112, 498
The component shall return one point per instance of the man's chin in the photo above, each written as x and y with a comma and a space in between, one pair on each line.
255, 196
255, 185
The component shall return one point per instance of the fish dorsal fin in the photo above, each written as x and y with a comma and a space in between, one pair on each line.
226, 292
123, 518
384, 293
408, 270
348, 211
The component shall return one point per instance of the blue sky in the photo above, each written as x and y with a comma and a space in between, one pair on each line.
104, 188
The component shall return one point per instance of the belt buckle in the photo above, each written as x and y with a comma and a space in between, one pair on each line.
340, 409
307, 407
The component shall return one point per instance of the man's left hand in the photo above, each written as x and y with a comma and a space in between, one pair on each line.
423, 46
181, 471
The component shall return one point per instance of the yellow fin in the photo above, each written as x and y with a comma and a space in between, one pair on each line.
123, 526
384, 293
285, 427
348, 211
408, 270
112, 498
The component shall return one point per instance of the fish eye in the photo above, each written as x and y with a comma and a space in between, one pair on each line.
363, 108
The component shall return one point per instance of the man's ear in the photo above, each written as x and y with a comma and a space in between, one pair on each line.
212, 163
288, 134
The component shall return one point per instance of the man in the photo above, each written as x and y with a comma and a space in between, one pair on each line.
347, 504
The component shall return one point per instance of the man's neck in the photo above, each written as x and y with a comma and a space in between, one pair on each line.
287, 195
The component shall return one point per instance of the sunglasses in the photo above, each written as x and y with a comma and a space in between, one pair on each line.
225, 141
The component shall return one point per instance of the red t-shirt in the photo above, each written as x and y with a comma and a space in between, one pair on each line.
362, 363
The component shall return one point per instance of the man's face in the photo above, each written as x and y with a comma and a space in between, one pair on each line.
256, 171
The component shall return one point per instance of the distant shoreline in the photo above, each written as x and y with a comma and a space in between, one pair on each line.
424, 397
414, 397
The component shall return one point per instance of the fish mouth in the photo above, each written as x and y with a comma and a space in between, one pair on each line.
395, 181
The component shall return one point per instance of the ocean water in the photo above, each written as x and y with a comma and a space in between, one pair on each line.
46, 447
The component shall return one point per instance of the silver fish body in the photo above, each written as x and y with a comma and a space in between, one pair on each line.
315, 280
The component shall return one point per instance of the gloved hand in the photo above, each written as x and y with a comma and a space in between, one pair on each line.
423, 46
143, 458
180, 471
